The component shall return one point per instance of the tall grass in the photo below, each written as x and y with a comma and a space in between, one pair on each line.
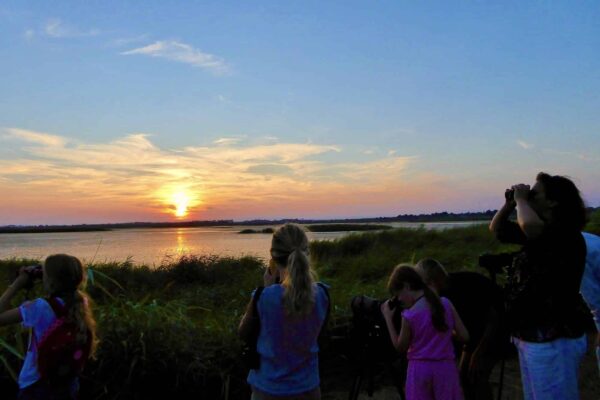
361, 263
171, 331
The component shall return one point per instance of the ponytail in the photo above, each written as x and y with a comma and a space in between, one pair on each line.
299, 296
66, 277
289, 248
80, 313
438, 313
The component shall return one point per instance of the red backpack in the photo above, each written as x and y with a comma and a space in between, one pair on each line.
60, 358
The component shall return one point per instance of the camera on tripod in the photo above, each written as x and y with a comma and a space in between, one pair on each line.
496, 263
369, 326
372, 348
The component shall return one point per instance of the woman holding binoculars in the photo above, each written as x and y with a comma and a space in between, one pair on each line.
545, 311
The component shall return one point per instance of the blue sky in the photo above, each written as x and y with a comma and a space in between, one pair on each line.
379, 107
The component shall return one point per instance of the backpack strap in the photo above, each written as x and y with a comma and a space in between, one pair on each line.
326, 321
257, 292
59, 309
255, 326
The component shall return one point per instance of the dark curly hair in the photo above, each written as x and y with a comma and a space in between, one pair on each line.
570, 211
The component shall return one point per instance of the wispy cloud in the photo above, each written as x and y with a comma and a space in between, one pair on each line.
523, 144
227, 141
183, 53
224, 99
55, 28
223, 180
563, 153
39, 138
571, 154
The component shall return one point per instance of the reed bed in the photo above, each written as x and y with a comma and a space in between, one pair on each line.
171, 331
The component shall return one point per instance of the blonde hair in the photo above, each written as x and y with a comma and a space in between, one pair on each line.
432, 272
66, 277
289, 250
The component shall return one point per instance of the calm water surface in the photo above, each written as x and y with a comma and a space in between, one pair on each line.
155, 246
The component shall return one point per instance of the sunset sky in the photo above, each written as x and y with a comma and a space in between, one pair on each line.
116, 111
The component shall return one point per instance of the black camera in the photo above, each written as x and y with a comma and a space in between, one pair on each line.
371, 348
495, 263
369, 329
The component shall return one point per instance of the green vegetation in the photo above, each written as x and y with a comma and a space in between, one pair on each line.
361, 263
168, 331
172, 330
346, 227
594, 222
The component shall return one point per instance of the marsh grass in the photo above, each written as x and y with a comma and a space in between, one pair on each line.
171, 331
361, 263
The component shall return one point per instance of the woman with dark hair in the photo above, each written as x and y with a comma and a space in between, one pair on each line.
544, 308
292, 310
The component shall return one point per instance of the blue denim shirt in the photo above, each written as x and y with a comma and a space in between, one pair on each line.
590, 284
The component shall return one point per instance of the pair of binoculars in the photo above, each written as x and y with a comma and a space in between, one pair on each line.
34, 273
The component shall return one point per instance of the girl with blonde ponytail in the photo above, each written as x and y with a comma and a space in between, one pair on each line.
67, 309
291, 309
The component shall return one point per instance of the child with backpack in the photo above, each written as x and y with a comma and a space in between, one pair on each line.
428, 323
63, 330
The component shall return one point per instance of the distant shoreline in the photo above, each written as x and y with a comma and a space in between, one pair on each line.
52, 229
414, 218
436, 217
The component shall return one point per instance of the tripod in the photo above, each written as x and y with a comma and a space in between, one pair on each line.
367, 367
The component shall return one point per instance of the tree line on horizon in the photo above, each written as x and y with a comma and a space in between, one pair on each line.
443, 216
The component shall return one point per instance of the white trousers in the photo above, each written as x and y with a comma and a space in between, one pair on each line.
549, 370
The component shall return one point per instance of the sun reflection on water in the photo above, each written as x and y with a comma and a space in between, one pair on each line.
182, 248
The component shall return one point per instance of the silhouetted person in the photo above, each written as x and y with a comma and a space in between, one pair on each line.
545, 312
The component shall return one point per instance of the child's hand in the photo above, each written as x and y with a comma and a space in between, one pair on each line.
22, 279
387, 312
268, 278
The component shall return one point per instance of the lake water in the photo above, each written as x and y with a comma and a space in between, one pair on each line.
154, 246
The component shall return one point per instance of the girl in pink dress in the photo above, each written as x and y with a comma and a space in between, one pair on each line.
428, 323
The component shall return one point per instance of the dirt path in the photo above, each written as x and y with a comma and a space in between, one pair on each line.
589, 383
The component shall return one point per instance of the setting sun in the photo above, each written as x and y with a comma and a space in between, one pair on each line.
181, 201
177, 200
